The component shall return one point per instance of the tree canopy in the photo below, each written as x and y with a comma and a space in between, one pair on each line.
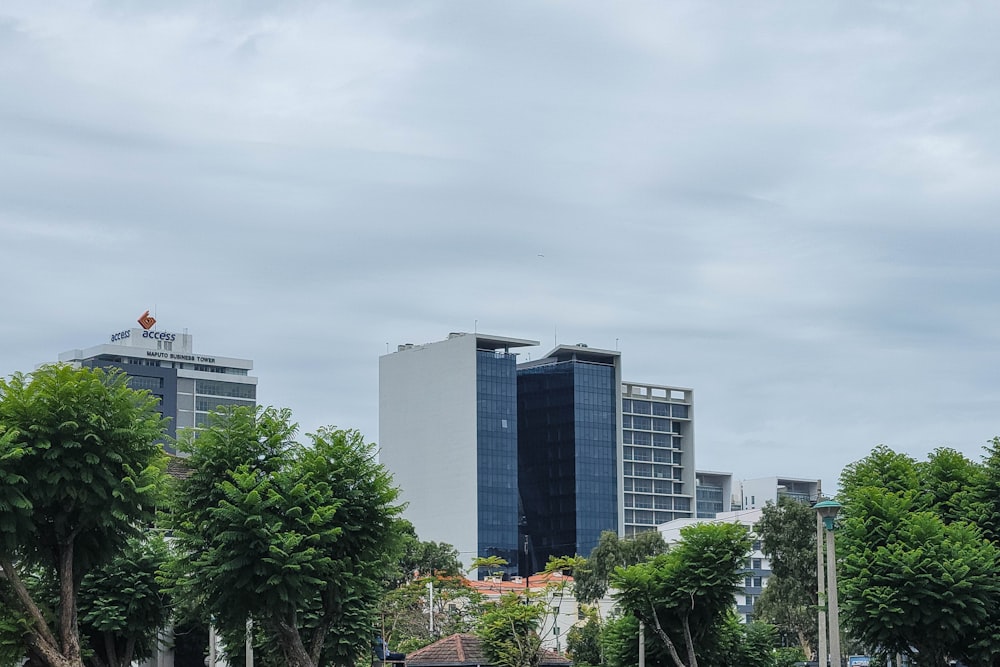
684, 595
918, 576
298, 537
592, 576
788, 537
80, 472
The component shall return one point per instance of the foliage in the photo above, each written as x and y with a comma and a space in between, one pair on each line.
80, 472
915, 576
684, 595
788, 536
509, 632
591, 577
298, 537
735, 644
403, 611
121, 605
493, 565
583, 641
422, 559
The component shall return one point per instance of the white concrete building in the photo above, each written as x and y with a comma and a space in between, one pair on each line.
448, 434
757, 492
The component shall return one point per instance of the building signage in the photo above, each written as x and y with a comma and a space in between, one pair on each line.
159, 335
121, 335
858, 661
146, 321
180, 357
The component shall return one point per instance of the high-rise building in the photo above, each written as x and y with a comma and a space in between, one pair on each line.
533, 459
657, 455
189, 385
569, 449
713, 493
448, 434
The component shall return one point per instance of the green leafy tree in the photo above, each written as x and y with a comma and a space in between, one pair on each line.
509, 632
300, 538
787, 530
583, 641
422, 559
916, 579
683, 596
493, 565
122, 607
591, 577
80, 472
403, 612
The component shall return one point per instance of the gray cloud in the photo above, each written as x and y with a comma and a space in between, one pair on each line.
789, 207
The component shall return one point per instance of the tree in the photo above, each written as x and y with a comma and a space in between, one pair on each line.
916, 579
122, 607
422, 559
788, 538
298, 537
509, 632
403, 610
492, 564
683, 596
590, 578
80, 472
583, 641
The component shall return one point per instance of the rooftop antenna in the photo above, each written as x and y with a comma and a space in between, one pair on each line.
475, 327
387, 347
555, 336
616, 345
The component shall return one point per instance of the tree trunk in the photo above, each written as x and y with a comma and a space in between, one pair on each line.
43, 642
69, 630
292, 646
692, 658
666, 639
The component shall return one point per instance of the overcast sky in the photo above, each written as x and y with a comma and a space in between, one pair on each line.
790, 207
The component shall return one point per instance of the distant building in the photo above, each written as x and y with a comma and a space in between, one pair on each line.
714, 493
756, 492
448, 420
569, 445
657, 455
189, 385
533, 459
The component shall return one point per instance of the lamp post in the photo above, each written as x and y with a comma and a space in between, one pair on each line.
827, 511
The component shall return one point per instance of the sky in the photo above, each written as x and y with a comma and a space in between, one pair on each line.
791, 208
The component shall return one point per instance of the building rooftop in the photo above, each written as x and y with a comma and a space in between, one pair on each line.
462, 650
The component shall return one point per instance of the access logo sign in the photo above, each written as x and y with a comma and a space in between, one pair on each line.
146, 321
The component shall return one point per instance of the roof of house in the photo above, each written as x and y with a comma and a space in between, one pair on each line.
461, 650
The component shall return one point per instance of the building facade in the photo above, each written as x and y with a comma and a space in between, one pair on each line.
533, 459
189, 385
448, 433
757, 492
713, 493
569, 449
657, 455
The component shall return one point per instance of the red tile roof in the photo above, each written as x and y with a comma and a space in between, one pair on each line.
464, 650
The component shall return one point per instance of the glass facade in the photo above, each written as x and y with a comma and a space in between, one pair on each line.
496, 449
567, 428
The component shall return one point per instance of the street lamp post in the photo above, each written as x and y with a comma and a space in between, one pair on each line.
827, 510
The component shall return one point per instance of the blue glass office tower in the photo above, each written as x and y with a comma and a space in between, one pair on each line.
496, 448
569, 446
